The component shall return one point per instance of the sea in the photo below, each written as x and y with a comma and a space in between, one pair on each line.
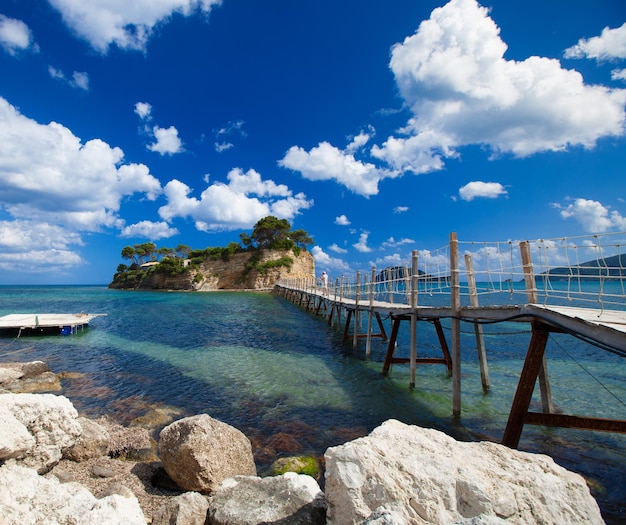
288, 380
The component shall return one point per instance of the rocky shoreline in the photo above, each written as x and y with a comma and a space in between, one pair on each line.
59, 467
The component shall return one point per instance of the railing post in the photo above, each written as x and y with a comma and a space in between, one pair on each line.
455, 307
368, 344
413, 304
357, 296
531, 295
478, 329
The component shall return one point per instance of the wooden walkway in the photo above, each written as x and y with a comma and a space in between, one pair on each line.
46, 323
602, 327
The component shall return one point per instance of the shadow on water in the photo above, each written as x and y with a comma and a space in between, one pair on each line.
284, 377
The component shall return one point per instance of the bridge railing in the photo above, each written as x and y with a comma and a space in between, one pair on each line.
560, 271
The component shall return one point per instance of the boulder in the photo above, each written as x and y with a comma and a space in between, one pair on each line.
52, 422
189, 508
92, 443
199, 452
425, 476
290, 499
26, 497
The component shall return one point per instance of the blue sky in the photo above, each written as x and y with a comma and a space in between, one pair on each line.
377, 126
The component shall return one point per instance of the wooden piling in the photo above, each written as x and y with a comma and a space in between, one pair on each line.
478, 329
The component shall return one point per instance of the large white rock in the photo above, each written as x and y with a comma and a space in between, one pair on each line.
189, 508
248, 500
51, 421
200, 452
15, 439
28, 499
424, 476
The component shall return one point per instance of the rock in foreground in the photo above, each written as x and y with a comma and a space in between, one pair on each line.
200, 452
424, 476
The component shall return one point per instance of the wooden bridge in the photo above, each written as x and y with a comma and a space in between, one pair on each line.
376, 299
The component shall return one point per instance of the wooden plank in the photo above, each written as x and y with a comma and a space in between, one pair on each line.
583, 423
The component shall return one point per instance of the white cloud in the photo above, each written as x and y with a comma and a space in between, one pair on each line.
362, 244
149, 230
233, 127
476, 189
610, 44
223, 146
342, 220
323, 260
14, 35
391, 260
326, 162
78, 80
239, 204
337, 249
143, 110
359, 141
67, 185
593, 216
461, 90
32, 246
393, 243
618, 74
167, 141
400, 209
128, 25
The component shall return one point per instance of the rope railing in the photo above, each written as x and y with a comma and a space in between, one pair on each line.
566, 270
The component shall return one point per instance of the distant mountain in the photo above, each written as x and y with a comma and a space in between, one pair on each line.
614, 266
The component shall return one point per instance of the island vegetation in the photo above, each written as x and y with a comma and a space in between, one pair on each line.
269, 233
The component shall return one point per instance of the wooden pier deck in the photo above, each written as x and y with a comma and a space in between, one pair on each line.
46, 323
600, 326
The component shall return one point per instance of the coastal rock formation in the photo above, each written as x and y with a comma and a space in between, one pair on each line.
52, 423
422, 475
248, 500
249, 270
200, 452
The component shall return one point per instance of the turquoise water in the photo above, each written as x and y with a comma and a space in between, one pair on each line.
288, 381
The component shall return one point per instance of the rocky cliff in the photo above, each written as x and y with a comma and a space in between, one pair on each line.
242, 271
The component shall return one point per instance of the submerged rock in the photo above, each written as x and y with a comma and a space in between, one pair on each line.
424, 476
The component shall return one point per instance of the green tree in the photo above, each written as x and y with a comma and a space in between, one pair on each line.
301, 238
183, 251
271, 232
129, 253
145, 252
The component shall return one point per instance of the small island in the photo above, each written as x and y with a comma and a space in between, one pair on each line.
272, 251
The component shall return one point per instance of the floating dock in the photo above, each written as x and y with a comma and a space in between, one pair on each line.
64, 324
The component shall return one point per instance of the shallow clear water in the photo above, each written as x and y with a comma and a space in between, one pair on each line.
288, 381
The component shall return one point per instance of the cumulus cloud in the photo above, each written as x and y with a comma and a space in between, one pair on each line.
15, 35
592, 215
327, 162
610, 44
149, 230
167, 141
323, 260
453, 76
477, 189
342, 220
236, 205
362, 246
128, 25
68, 187
223, 146
232, 128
